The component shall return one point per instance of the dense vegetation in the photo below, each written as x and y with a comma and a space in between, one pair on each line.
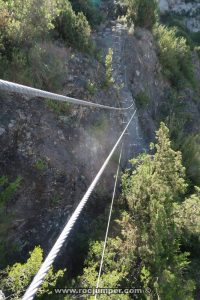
92, 14
158, 235
175, 56
153, 243
28, 29
177, 48
160, 219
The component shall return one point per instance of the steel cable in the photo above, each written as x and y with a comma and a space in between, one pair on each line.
25, 90
38, 279
108, 224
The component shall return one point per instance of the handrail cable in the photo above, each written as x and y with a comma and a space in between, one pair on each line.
108, 224
39, 277
22, 89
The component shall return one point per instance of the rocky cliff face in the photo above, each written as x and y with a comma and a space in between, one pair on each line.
189, 10
58, 152
178, 5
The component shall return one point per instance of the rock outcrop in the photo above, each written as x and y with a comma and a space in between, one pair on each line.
190, 11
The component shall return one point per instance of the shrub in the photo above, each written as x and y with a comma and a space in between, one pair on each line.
108, 64
73, 28
88, 8
25, 57
142, 12
195, 36
55, 199
21, 24
175, 56
82, 32
91, 87
181, 30
22, 57
46, 64
58, 107
8, 189
197, 49
41, 164
27, 21
187, 214
42, 66
190, 148
115, 267
15, 279
142, 99
98, 55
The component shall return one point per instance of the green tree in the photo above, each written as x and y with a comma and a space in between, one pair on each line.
115, 267
91, 12
73, 28
151, 190
190, 147
108, 64
27, 53
174, 55
187, 214
142, 12
147, 250
15, 279
24, 21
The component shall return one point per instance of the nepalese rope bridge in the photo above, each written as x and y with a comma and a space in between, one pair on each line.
39, 277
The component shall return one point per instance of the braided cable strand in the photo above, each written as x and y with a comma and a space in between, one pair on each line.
22, 89
108, 224
38, 279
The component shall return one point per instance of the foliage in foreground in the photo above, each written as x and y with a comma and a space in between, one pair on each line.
147, 251
151, 191
15, 279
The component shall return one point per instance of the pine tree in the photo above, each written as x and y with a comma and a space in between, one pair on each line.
151, 190
147, 249
142, 12
15, 279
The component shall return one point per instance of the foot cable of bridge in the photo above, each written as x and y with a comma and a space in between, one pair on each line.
108, 224
39, 277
